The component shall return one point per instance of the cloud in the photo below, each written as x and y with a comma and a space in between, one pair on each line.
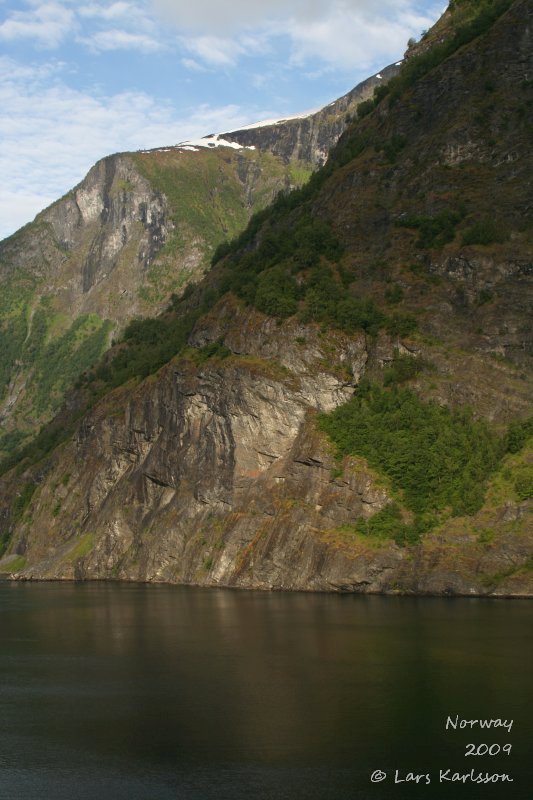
215, 17
112, 12
218, 51
194, 66
214, 50
115, 39
138, 29
55, 133
48, 24
345, 34
352, 39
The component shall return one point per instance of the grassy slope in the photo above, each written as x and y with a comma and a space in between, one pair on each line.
212, 194
43, 352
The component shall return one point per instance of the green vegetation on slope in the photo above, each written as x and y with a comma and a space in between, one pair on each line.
52, 363
438, 463
17, 565
21, 503
146, 345
403, 367
434, 231
389, 524
83, 547
211, 194
472, 19
36, 345
14, 309
293, 269
59, 362
435, 459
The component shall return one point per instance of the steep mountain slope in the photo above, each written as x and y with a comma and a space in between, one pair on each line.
139, 227
292, 441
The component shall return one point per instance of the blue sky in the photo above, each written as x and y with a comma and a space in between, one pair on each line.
80, 80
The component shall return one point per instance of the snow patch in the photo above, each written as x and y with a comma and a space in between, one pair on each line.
264, 123
379, 76
214, 140
194, 145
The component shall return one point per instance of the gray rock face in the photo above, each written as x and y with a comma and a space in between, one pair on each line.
189, 480
114, 221
78, 242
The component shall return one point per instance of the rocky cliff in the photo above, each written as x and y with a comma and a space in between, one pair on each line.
217, 475
405, 264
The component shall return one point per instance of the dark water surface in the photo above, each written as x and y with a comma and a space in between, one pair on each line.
131, 692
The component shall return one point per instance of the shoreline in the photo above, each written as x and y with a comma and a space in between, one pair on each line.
14, 578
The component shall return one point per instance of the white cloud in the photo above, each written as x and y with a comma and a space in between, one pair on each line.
194, 66
114, 11
340, 33
52, 134
219, 51
132, 27
48, 24
214, 50
346, 34
215, 17
115, 39
351, 39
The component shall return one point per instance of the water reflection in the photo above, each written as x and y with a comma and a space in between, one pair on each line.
174, 688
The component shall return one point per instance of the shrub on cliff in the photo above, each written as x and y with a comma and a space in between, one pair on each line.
436, 458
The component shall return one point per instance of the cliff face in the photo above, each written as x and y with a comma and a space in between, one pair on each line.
213, 470
84, 248
215, 473
204, 461
114, 248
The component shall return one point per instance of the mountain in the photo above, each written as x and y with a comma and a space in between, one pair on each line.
342, 402
137, 229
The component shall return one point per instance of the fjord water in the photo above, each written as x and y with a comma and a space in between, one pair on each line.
132, 692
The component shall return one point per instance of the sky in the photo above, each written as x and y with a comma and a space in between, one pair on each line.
80, 79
